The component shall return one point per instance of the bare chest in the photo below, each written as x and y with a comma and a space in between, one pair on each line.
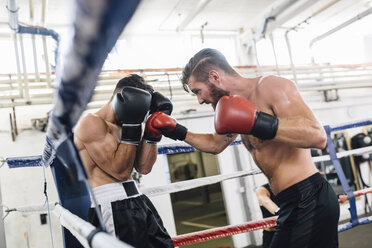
251, 143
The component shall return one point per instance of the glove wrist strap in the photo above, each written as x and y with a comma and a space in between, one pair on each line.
265, 126
179, 133
131, 134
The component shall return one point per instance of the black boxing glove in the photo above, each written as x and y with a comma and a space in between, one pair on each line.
131, 106
159, 103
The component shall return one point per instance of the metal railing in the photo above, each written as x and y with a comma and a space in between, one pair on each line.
316, 78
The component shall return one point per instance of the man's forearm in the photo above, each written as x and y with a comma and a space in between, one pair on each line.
209, 143
145, 157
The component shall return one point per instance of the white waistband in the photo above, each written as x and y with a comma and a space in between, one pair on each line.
113, 192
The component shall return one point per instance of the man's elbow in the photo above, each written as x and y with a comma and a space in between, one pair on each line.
144, 171
215, 149
321, 141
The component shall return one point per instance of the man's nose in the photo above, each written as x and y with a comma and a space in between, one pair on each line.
200, 100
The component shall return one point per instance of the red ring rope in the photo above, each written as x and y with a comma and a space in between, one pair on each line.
220, 232
356, 194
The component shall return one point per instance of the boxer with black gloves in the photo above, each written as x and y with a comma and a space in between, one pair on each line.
110, 145
277, 128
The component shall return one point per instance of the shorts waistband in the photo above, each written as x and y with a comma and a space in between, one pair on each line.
115, 192
295, 191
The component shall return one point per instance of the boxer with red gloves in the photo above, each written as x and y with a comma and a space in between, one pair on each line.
277, 128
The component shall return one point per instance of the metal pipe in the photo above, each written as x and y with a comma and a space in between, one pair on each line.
19, 77
256, 55
37, 75
25, 76
341, 26
273, 15
2, 229
290, 57
46, 59
273, 47
200, 6
13, 15
43, 11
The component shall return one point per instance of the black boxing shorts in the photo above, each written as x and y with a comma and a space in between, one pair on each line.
267, 236
129, 215
309, 213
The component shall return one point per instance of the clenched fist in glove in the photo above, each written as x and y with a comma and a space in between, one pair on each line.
235, 114
160, 123
158, 103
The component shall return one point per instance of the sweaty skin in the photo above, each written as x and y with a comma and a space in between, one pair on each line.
105, 159
285, 160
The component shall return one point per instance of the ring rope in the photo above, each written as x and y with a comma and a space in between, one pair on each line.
34, 161
2, 161
194, 183
220, 232
358, 151
349, 225
357, 193
26, 210
82, 230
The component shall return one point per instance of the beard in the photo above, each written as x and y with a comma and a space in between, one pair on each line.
216, 94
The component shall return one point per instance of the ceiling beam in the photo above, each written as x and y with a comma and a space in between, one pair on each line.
201, 5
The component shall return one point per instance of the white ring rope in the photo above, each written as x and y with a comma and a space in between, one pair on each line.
155, 191
31, 209
358, 151
194, 183
81, 230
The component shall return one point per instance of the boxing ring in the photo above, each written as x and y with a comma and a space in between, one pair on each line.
97, 26
73, 205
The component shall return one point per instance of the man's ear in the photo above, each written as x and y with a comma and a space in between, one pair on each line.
214, 77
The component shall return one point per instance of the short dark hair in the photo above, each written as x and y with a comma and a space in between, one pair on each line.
133, 80
202, 63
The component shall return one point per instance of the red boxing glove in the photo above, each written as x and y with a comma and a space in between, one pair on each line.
160, 123
235, 114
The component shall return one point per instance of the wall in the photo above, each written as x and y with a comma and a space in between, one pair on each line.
25, 186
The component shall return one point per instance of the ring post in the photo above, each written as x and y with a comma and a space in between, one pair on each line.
341, 176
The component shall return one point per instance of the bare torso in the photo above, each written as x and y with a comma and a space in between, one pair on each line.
283, 164
106, 144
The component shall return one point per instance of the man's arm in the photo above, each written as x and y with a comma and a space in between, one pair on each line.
145, 157
263, 196
160, 123
115, 158
211, 143
297, 123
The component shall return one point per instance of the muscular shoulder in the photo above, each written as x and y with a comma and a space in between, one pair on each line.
275, 82
273, 88
90, 128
